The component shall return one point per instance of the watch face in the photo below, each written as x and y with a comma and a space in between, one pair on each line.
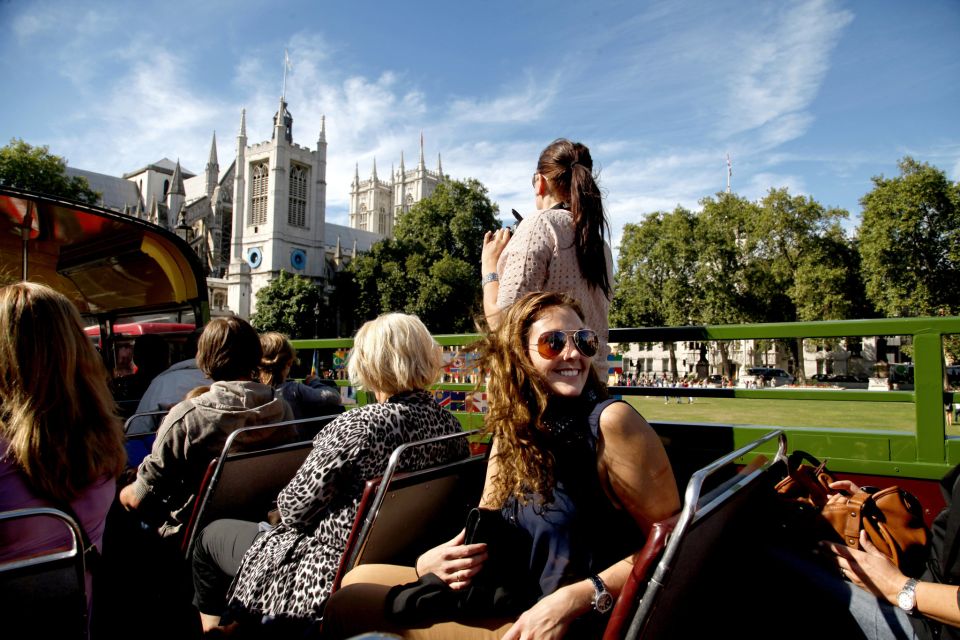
906, 600
604, 602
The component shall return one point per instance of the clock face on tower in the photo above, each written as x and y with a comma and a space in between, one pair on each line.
298, 259
254, 257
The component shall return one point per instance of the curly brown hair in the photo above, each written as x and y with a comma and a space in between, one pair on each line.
517, 397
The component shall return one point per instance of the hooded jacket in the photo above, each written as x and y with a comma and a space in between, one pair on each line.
193, 434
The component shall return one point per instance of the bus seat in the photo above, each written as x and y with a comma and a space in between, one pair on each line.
403, 514
146, 422
45, 593
710, 535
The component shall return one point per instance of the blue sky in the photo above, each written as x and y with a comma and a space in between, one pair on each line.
816, 96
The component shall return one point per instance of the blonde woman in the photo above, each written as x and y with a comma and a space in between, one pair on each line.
61, 442
287, 573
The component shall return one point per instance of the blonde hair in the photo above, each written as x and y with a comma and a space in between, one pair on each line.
394, 353
278, 354
517, 396
56, 411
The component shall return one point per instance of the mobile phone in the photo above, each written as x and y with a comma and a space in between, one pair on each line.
517, 215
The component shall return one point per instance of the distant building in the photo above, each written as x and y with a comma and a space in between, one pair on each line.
266, 212
376, 205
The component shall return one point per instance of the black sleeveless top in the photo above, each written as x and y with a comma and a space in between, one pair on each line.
579, 533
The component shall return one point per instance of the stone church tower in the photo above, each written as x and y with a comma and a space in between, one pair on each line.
376, 205
279, 210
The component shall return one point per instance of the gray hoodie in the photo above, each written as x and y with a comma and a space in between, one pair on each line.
192, 434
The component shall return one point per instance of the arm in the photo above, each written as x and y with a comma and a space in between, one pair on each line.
160, 471
871, 570
527, 263
494, 242
636, 472
317, 481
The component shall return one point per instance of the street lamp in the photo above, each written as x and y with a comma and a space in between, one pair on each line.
316, 319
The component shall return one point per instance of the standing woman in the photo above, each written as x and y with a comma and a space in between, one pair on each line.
61, 442
560, 247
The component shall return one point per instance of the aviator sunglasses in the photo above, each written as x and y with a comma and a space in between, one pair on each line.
551, 344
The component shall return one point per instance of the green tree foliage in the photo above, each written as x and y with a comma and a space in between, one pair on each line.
431, 266
288, 305
36, 169
909, 242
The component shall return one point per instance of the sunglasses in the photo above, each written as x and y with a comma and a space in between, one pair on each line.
552, 343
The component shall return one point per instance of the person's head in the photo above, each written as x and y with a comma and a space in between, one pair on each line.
56, 411
565, 172
394, 353
151, 354
229, 349
278, 356
541, 350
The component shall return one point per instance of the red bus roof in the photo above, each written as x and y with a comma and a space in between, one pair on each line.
143, 328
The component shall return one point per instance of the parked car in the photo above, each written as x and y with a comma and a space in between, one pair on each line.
766, 376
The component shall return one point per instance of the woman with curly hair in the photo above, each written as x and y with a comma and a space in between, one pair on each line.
583, 478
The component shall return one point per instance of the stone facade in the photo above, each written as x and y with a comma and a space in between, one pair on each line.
376, 205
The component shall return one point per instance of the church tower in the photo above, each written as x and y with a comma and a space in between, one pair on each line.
377, 205
279, 208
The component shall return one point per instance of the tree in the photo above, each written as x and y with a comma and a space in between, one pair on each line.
431, 266
909, 242
655, 284
36, 169
292, 305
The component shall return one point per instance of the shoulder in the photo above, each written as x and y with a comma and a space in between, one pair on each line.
621, 423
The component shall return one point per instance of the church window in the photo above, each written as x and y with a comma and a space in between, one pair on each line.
362, 218
259, 188
383, 221
297, 210
166, 187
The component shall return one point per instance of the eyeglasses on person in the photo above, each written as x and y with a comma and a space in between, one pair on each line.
551, 344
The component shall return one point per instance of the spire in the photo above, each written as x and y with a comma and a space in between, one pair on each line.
243, 123
323, 129
374, 168
338, 252
154, 210
138, 212
126, 209
176, 183
421, 164
392, 174
212, 162
439, 166
354, 253
356, 173
401, 162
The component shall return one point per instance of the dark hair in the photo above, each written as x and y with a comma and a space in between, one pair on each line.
568, 168
229, 349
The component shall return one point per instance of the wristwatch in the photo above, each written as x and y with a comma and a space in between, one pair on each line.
907, 598
602, 601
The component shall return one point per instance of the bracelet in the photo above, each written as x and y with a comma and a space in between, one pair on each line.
488, 278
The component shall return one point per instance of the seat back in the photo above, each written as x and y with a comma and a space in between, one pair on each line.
710, 532
244, 480
153, 422
403, 514
50, 587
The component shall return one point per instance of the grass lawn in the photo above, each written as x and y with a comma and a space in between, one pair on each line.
892, 416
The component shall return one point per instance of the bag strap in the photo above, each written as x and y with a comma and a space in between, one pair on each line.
851, 523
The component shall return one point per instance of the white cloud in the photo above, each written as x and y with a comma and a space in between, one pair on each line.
526, 105
781, 70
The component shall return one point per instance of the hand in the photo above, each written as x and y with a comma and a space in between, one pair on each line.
309, 378
549, 618
494, 242
127, 498
869, 569
844, 485
454, 562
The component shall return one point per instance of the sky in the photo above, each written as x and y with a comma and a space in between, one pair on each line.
817, 96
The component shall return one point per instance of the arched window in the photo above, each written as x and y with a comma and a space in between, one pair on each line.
259, 188
297, 208
166, 187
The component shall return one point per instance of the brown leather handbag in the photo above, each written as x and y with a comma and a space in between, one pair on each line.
892, 517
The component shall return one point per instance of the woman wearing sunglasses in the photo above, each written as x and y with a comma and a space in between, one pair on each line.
559, 247
583, 477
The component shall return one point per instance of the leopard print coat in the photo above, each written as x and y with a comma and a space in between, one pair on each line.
289, 571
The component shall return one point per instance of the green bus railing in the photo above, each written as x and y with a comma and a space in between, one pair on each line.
926, 452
